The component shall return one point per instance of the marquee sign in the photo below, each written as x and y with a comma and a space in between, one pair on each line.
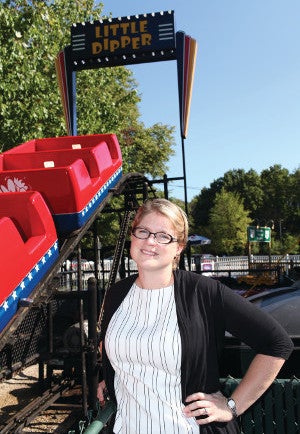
126, 41
123, 40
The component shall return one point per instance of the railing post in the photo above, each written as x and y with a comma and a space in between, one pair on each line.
92, 367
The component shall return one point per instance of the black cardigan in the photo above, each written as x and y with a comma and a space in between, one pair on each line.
205, 310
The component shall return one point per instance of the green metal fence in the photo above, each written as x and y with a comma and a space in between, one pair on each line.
276, 412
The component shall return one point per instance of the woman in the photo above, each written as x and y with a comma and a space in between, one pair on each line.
163, 329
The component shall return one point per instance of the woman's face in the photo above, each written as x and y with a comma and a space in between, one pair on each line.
148, 253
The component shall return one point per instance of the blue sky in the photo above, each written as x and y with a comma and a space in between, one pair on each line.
245, 110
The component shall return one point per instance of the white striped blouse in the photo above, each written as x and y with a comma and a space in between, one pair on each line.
144, 348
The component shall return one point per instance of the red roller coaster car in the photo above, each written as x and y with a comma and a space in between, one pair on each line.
28, 248
73, 174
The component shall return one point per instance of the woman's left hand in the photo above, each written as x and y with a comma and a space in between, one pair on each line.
210, 407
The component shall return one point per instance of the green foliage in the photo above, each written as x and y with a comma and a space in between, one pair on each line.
109, 224
228, 221
248, 185
288, 244
106, 100
276, 184
144, 149
271, 198
201, 205
32, 34
281, 199
293, 218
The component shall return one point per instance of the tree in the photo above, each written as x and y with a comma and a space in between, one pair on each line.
246, 184
279, 197
202, 203
272, 198
288, 244
228, 221
144, 149
293, 221
32, 34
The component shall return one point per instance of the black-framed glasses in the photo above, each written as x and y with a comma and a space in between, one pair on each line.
161, 237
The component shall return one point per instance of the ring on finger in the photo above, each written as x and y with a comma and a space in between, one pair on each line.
205, 411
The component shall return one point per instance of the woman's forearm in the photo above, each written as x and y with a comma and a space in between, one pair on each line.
213, 407
259, 376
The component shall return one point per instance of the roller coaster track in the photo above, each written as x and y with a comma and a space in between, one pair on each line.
34, 408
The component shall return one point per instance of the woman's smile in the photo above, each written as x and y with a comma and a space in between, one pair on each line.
149, 252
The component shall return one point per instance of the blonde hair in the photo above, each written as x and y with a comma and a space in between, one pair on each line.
170, 210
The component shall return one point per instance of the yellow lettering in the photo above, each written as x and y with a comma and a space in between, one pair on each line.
122, 36
114, 28
97, 32
96, 47
124, 27
125, 40
136, 43
133, 27
143, 26
114, 45
146, 39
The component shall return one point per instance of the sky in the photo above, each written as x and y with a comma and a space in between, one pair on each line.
245, 108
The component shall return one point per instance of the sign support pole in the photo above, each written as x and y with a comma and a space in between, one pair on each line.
184, 177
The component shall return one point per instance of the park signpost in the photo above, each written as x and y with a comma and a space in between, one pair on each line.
258, 234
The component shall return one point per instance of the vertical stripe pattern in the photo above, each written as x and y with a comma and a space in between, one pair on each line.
144, 348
